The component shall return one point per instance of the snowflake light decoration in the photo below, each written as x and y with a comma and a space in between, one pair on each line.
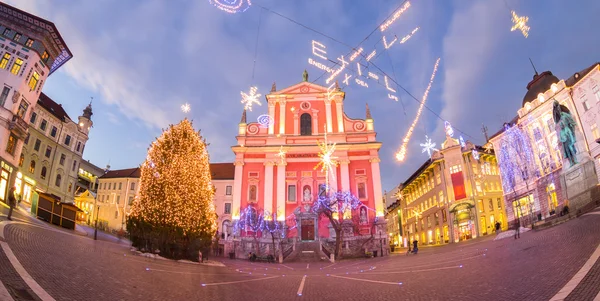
281, 155
185, 107
475, 154
462, 142
251, 98
428, 146
328, 161
520, 23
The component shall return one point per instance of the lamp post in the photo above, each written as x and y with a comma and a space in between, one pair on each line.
96, 222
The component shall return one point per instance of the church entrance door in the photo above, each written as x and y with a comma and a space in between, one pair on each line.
308, 229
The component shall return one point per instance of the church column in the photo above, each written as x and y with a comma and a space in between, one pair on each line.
268, 193
345, 174
328, 115
340, 116
296, 123
271, 115
237, 189
376, 177
281, 189
281, 116
315, 120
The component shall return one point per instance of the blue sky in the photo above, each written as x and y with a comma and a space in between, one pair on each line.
141, 60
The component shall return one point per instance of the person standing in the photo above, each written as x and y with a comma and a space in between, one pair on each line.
517, 228
497, 228
12, 202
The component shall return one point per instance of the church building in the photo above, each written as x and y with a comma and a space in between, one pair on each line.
275, 161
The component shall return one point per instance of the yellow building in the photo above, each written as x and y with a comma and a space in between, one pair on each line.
456, 195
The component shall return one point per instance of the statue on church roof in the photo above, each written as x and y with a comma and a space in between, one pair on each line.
305, 75
273, 87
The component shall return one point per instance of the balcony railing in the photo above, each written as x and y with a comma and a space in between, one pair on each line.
18, 126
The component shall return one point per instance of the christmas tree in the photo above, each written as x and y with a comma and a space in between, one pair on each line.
174, 211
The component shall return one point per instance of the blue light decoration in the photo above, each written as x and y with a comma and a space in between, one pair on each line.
265, 121
515, 158
338, 202
475, 154
231, 6
449, 129
253, 220
462, 142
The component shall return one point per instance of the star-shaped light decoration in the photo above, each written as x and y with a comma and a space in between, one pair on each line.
428, 146
520, 23
281, 155
185, 107
251, 98
328, 161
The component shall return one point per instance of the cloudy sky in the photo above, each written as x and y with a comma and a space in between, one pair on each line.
140, 60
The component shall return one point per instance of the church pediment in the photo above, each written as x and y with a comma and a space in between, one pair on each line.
301, 88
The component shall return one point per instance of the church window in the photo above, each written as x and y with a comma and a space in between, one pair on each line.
305, 124
252, 193
291, 193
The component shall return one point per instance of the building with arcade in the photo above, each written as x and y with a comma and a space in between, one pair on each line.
275, 161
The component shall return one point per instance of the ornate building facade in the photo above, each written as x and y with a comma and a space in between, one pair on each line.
544, 182
275, 162
31, 49
454, 196
52, 151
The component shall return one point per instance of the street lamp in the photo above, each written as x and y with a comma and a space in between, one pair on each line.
96, 222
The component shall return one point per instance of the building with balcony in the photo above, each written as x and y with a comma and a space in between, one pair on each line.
31, 49
52, 151
454, 196
541, 183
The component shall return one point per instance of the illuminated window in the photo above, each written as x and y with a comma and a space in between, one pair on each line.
33, 81
43, 173
552, 199
16, 66
595, 132
32, 166
21, 159
11, 146
522, 206
4, 61
305, 124
23, 106
45, 56
29, 43
480, 205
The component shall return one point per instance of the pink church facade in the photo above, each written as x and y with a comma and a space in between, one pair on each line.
275, 165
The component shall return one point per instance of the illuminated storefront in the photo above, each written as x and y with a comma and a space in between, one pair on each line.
5, 171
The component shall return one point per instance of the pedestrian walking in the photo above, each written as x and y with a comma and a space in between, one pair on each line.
497, 228
517, 228
12, 201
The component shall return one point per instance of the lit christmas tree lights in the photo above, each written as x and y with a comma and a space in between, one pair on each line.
176, 193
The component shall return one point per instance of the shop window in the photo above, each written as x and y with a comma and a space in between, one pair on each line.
305, 124
43, 173
32, 166
4, 96
552, 198
11, 146
228, 190
522, 206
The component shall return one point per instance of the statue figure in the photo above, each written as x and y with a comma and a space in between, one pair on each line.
363, 216
273, 87
307, 197
565, 126
305, 75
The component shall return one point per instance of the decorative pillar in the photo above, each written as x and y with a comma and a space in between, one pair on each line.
328, 115
333, 179
268, 192
296, 123
376, 176
345, 174
237, 189
281, 189
340, 116
281, 116
315, 120
271, 115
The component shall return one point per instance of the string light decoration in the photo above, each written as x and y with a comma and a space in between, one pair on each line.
475, 154
520, 23
265, 121
328, 161
462, 142
281, 155
182, 196
185, 107
515, 158
428, 146
448, 128
394, 17
408, 36
231, 6
251, 98
401, 153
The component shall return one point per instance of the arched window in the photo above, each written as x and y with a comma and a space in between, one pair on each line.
21, 159
32, 166
305, 124
58, 179
43, 174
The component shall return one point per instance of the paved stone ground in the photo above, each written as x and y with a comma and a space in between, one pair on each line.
535, 267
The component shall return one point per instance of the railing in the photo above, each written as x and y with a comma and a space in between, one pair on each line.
287, 250
325, 251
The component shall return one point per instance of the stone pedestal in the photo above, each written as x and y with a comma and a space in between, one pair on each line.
578, 182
